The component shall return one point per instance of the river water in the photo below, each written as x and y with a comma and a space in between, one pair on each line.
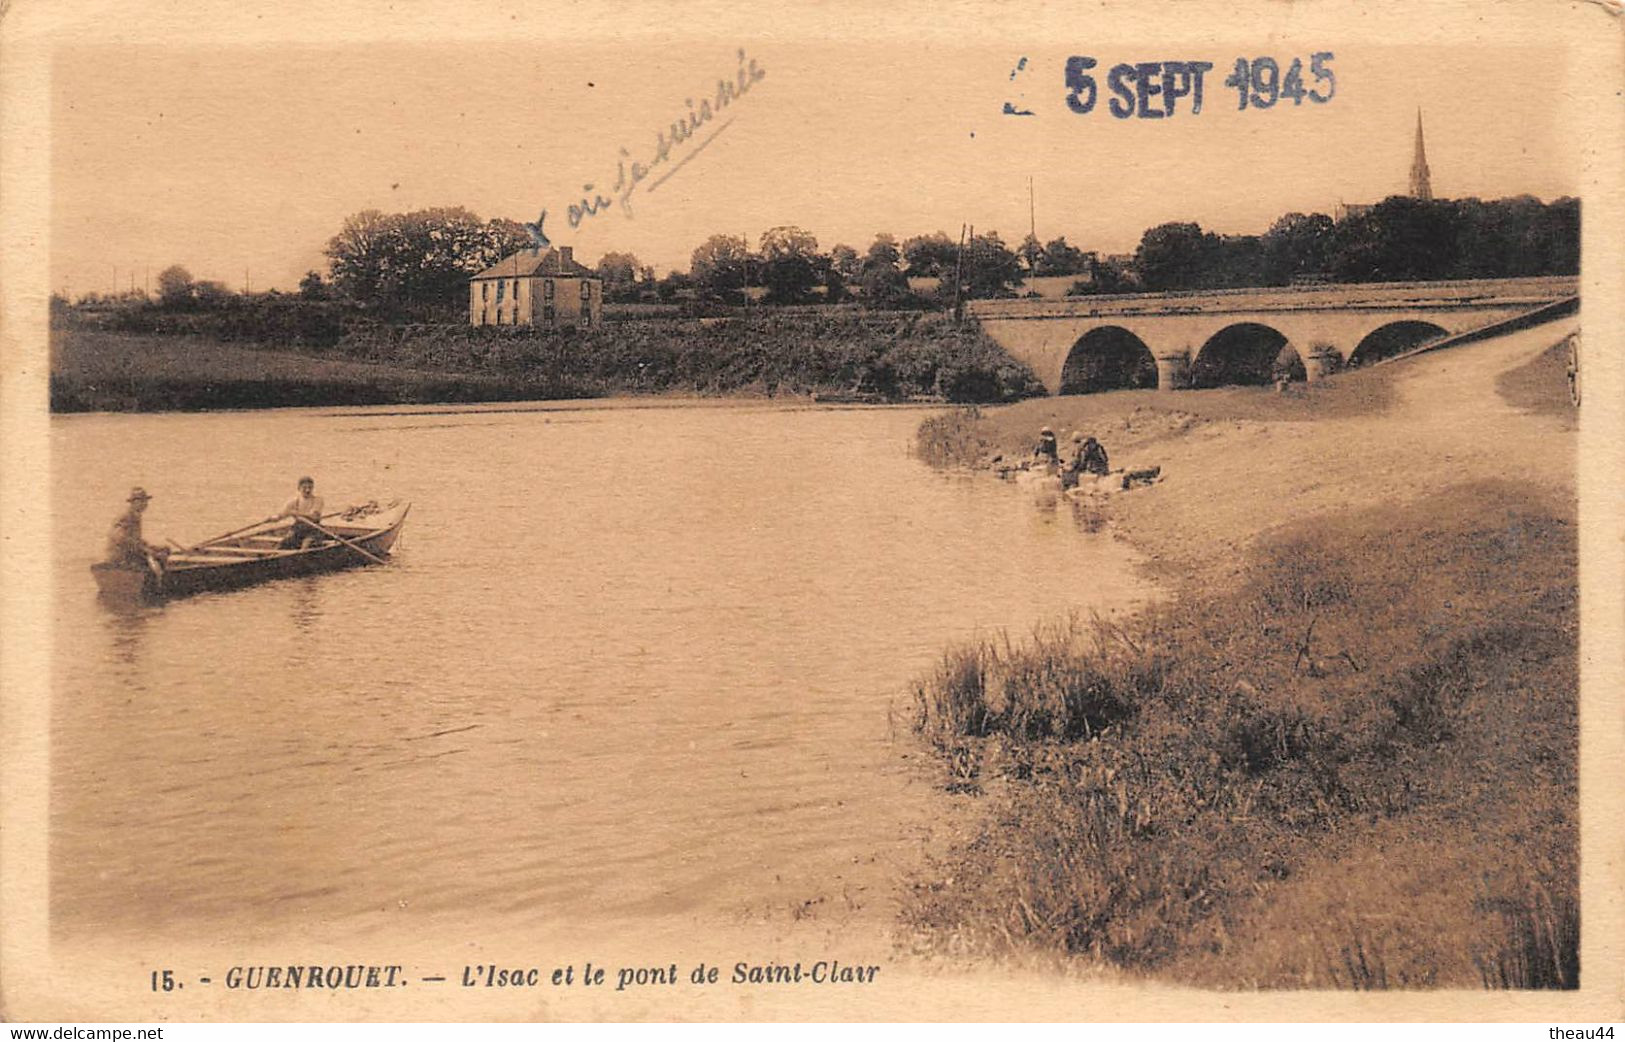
631, 660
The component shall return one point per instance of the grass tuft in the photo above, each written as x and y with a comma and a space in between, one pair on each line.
1401, 681
1539, 947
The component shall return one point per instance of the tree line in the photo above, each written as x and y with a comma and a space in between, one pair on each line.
1400, 239
415, 266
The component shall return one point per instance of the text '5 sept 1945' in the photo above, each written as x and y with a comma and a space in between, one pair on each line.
1156, 89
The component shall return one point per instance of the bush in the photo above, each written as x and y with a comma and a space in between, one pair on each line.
774, 351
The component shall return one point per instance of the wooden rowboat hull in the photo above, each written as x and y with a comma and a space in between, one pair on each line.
189, 574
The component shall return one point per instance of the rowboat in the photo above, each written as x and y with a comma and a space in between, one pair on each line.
363, 535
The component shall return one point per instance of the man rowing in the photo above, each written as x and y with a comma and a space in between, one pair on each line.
125, 546
306, 511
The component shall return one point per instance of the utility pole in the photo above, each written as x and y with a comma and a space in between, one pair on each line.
1032, 210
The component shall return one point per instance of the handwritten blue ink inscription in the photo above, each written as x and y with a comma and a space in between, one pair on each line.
1163, 89
668, 147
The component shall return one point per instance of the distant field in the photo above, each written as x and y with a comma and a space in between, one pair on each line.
767, 353
95, 371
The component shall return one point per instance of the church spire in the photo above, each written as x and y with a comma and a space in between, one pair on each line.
1421, 188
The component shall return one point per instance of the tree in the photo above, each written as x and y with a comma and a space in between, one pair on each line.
932, 254
1399, 239
1174, 256
1062, 258
989, 268
718, 265
175, 286
1107, 276
673, 285
884, 284
1297, 245
882, 251
417, 262
791, 265
313, 286
1030, 251
210, 294
845, 260
834, 285
1552, 241
1233, 261
620, 274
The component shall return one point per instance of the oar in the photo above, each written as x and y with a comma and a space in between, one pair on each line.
240, 531
368, 554
228, 535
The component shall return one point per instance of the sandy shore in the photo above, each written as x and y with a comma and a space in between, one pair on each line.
1424, 424
1349, 735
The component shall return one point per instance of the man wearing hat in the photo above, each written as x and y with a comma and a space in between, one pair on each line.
125, 547
304, 508
1046, 449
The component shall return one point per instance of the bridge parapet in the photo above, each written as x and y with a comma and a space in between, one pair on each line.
1087, 343
1340, 296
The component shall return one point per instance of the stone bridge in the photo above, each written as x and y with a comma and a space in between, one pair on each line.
1247, 336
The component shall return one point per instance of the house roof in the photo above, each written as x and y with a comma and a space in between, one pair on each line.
535, 262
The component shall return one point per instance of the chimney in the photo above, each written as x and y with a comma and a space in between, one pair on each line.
565, 260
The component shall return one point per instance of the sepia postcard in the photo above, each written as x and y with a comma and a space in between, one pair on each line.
714, 512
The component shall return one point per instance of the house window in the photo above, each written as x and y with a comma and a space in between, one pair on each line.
547, 289
547, 315
485, 291
499, 311
586, 290
500, 286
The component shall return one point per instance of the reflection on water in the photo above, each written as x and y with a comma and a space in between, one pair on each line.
304, 603
125, 623
636, 663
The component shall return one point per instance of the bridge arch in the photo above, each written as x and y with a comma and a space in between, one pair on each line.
1245, 353
1394, 338
1107, 358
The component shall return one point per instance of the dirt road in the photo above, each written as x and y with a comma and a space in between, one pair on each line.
1226, 482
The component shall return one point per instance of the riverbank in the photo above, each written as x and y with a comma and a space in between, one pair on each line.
1345, 752
876, 356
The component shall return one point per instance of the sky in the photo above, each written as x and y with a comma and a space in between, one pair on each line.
241, 160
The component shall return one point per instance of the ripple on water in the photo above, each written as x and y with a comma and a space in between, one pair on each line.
642, 662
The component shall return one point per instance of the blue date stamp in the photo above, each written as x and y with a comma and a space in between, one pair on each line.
1261, 83
1164, 89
